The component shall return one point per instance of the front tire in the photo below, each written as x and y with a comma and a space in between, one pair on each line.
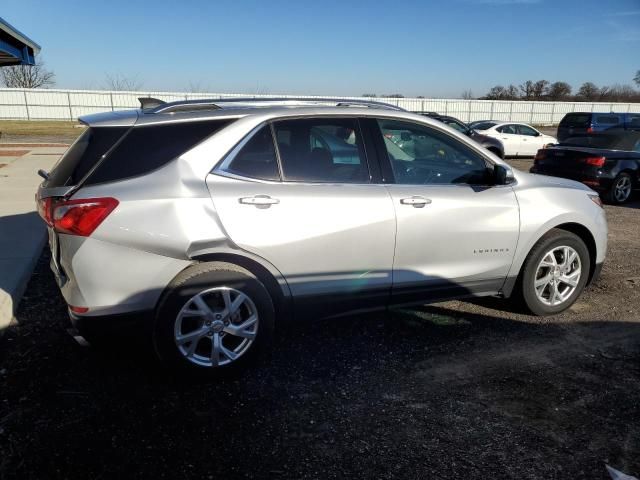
620, 191
554, 273
215, 318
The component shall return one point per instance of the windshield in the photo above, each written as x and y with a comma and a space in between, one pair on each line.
483, 125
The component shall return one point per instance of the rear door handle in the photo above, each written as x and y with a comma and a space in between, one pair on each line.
415, 201
263, 201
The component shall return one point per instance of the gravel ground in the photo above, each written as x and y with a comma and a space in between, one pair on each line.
452, 390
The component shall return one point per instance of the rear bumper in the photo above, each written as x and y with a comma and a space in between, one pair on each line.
121, 324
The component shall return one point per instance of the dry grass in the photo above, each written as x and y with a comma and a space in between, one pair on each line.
34, 128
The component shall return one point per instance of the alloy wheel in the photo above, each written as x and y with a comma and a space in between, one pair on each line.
558, 275
216, 327
622, 189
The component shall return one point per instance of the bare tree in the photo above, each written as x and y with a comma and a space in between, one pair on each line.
27, 76
467, 95
119, 82
588, 91
501, 93
636, 79
559, 91
369, 95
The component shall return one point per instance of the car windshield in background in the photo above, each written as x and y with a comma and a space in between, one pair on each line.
577, 120
608, 142
455, 125
484, 126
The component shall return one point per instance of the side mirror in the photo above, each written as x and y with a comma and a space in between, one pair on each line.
502, 175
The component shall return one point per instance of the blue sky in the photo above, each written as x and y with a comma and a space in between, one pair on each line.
431, 48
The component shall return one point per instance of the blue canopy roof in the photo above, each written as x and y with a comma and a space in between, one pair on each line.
15, 47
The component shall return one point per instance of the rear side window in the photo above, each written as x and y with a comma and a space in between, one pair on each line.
576, 120
148, 148
83, 155
257, 159
322, 150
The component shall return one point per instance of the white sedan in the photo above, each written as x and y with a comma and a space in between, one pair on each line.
519, 139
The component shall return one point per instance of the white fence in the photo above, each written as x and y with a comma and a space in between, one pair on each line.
45, 104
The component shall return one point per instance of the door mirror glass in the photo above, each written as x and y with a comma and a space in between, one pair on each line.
502, 175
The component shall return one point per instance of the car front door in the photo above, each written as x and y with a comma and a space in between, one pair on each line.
510, 138
310, 208
457, 232
531, 139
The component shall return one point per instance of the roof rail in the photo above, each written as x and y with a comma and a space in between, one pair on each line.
214, 104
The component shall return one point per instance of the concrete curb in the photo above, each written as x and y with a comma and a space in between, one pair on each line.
22, 232
10, 298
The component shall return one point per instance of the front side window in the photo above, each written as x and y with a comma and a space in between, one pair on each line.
321, 150
528, 131
257, 159
420, 155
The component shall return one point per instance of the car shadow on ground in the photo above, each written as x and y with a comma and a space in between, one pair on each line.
421, 393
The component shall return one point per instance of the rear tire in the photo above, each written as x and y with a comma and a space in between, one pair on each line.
554, 273
214, 319
621, 189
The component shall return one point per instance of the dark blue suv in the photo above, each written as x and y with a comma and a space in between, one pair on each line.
578, 123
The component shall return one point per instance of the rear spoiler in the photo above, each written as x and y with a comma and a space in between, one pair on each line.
149, 103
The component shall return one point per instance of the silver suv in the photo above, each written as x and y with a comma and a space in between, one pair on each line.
215, 220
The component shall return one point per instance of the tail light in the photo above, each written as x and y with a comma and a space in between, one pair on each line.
595, 161
590, 130
76, 217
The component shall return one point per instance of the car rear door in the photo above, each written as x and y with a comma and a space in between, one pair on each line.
456, 232
307, 205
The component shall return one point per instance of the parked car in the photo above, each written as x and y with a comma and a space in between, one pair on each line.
608, 162
216, 220
492, 144
519, 139
580, 123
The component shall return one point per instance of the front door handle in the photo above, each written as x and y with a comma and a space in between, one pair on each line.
415, 201
260, 201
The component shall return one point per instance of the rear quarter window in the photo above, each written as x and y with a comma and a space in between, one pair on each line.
149, 147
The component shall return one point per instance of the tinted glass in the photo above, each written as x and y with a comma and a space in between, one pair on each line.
321, 150
483, 126
148, 148
612, 142
83, 155
257, 159
510, 129
607, 119
456, 125
528, 131
420, 155
576, 120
